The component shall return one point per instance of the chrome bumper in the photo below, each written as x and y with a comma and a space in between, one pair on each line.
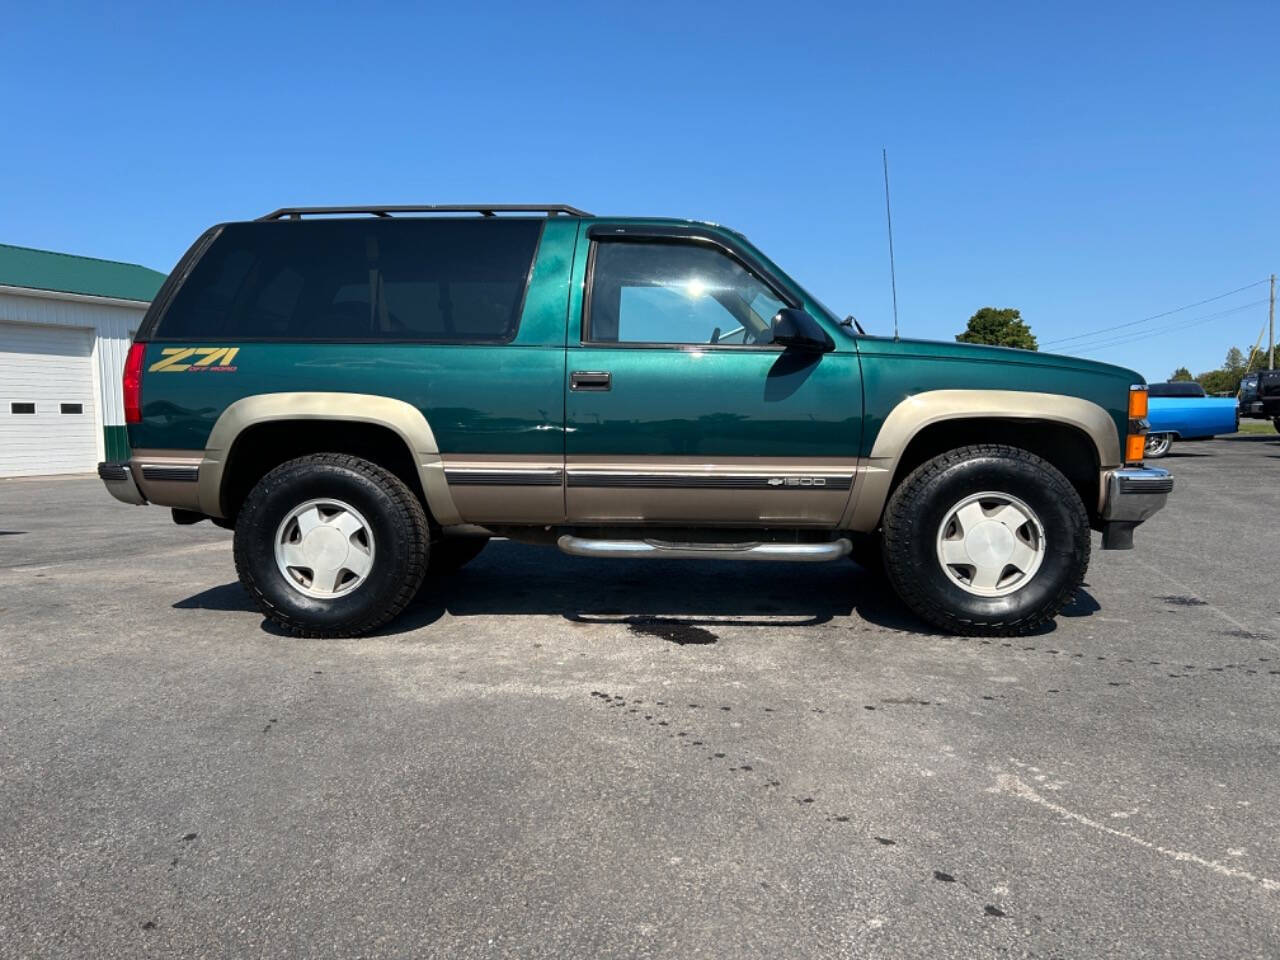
1134, 494
118, 479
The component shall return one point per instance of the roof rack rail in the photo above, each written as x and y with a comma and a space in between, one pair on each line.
484, 209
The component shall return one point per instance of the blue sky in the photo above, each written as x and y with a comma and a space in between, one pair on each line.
1089, 164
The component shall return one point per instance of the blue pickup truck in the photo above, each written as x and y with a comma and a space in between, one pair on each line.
1182, 411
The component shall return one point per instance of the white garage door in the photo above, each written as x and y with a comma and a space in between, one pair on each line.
47, 422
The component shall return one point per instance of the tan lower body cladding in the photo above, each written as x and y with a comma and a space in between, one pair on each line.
506, 488
531, 489
662, 490
169, 478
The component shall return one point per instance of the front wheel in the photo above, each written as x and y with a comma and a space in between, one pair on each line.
986, 540
1157, 445
330, 545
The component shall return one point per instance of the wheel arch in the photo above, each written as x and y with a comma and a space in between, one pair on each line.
929, 423
392, 417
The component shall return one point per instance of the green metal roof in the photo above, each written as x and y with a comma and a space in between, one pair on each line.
66, 273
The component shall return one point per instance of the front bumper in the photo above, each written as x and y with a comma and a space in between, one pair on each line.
1133, 494
119, 481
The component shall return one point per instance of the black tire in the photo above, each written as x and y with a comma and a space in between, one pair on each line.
451, 554
1276, 423
395, 517
918, 507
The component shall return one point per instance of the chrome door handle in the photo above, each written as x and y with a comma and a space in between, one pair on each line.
590, 380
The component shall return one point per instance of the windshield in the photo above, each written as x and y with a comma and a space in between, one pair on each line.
809, 299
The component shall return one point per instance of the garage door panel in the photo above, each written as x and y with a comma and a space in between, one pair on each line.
47, 366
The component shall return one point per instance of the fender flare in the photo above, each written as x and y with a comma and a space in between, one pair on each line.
917, 412
406, 420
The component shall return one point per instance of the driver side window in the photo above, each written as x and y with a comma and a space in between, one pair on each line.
676, 293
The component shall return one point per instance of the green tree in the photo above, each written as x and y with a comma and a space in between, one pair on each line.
1227, 379
1180, 375
1235, 362
1259, 361
1001, 327
1218, 381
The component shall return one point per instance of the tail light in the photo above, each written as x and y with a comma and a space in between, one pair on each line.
1136, 440
133, 383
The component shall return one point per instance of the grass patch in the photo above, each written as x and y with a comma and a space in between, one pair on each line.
1258, 426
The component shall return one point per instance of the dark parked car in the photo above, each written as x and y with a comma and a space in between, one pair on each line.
1260, 396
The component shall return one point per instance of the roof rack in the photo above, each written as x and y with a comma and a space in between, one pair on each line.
485, 210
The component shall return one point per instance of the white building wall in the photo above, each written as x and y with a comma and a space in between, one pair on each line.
113, 323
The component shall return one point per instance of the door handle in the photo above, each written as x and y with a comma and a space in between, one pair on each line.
590, 380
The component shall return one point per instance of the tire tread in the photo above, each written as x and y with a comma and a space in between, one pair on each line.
899, 528
411, 517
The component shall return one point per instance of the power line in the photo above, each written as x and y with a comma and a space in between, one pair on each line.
1172, 328
1156, 316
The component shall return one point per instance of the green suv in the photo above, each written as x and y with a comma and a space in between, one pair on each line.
367, 395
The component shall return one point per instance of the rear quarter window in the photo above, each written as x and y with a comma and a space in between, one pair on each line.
396, 279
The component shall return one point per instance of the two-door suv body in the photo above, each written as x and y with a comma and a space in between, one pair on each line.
367, 395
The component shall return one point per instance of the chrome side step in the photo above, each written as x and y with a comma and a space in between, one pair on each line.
671, 550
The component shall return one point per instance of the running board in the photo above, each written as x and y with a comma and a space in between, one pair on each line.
671, 550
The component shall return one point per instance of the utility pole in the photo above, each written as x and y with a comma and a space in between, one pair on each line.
1271, 327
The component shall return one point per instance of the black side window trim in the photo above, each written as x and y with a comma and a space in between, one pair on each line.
174, 282
676, 237
198, 249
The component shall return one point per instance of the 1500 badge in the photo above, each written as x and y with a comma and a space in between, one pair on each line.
195, 359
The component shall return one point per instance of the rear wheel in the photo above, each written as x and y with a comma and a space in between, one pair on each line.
986, 540
1157, 445
331, 545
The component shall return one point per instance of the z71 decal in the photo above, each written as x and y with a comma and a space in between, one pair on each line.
196, 359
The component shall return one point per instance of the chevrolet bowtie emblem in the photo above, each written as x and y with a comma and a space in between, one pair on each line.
797, 481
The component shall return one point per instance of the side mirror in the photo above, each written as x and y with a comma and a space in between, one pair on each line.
796, 330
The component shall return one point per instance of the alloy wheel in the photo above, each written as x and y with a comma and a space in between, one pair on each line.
991, 544
324, 548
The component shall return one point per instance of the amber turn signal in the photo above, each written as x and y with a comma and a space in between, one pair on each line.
1134, 445
1138, 402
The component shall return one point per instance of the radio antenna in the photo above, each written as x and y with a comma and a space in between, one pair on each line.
888, 216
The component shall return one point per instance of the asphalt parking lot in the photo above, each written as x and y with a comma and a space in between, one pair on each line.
553, 757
